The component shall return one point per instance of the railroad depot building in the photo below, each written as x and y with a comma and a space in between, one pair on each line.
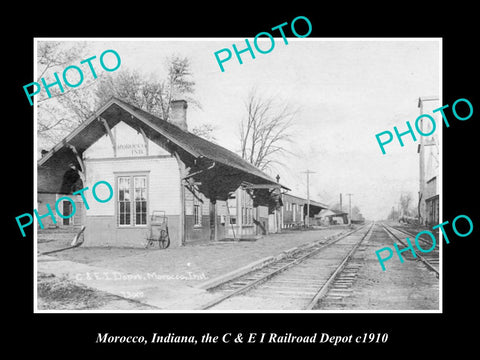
204, 190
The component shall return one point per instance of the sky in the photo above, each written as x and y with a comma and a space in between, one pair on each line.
345, 90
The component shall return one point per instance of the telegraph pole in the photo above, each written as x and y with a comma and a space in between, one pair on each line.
350, 208
308, 172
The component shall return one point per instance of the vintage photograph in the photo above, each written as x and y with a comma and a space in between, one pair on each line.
209, 175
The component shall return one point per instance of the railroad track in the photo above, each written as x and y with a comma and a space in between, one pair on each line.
297, 282
430, 259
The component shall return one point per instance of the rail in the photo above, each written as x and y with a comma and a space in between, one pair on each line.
283, 265
427, 263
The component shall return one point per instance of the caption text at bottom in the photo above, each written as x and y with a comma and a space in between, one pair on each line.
247, 338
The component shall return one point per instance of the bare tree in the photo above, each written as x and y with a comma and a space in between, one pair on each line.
131, 87
179, 82
154, 96
205, 131
356, 213
65, 111
405, 202
151, 95
54, 55
265, 130
54, 122
394, 214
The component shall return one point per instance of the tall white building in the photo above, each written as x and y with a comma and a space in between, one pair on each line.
429, 162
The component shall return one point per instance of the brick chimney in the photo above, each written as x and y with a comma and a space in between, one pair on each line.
178, 114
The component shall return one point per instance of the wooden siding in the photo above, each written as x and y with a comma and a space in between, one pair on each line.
129, 143
163, 181
189, 203
163, 187
103, 231
76, 220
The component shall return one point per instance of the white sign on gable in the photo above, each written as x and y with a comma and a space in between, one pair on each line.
131, 149
129, 143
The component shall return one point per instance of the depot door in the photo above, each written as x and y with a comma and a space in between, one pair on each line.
67, 210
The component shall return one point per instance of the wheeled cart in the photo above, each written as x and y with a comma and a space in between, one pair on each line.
158, 235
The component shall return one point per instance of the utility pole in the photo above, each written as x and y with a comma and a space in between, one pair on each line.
308, 172
350, 208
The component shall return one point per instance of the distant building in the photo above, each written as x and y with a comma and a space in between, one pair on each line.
295, 211
332, 217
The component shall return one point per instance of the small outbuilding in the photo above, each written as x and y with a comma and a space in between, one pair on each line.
332, 217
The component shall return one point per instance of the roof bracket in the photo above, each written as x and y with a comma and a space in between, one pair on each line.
188, 176
109, 132
194, 191
145, 139
81, 172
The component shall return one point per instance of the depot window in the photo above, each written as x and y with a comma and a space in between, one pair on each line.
197, 212
132, 200
247, 209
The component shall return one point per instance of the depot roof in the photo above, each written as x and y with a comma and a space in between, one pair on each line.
303, 201
191, 148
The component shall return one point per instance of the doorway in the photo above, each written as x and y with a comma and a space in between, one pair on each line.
67, 210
